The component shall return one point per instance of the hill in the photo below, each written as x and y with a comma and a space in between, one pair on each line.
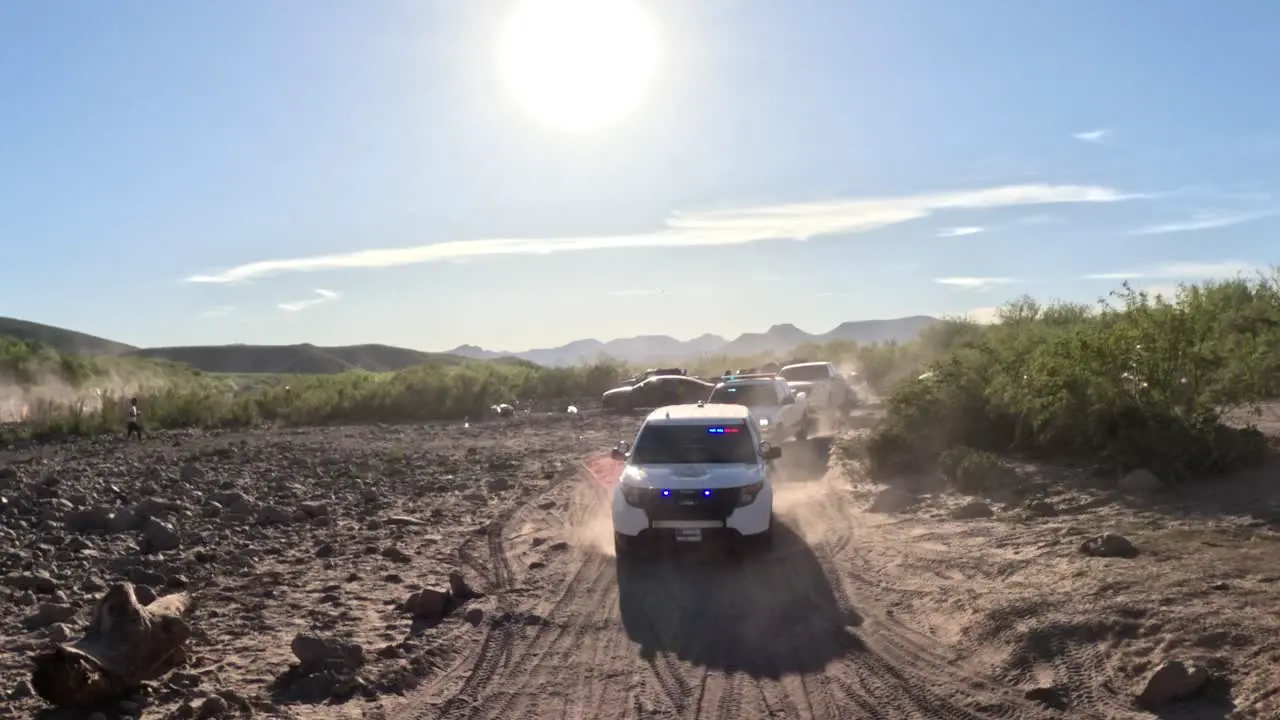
296, 359
656, 348
313, 359
65, 342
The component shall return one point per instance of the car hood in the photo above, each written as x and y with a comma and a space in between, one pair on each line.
691, 476
616, 392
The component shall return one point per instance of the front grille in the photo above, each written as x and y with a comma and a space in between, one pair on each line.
691, 504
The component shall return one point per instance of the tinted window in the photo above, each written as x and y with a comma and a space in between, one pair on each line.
750, 395
682, 444
805, 373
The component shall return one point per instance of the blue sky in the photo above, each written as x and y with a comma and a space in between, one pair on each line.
808, 162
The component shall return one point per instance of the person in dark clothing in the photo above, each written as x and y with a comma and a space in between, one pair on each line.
134, 427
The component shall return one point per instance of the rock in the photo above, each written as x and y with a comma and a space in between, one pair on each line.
125, 520
273, 515
159, 536
404, 520
94, 519
1109, 545
48, 614
211, 510
499, 483
892, 500
459, 588
37, 582
314, 651
314, 509
145, 594
212, 707
1141, 482
21, 690
427, 603
1173, 680
1051, 696
1041, 508
395, 554
61, 633
474, 616
191, 474
972, 511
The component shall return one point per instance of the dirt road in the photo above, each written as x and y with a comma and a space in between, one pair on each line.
858, 615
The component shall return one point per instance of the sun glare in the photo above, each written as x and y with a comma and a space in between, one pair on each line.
579, 64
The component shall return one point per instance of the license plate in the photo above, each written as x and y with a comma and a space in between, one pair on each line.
689, 535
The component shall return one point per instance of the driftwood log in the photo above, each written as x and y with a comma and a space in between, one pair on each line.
125, 645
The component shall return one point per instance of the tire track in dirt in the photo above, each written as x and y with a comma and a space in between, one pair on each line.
789, 634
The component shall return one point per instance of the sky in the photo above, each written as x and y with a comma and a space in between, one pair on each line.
428, 173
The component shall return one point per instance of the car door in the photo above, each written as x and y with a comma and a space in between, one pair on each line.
788, 412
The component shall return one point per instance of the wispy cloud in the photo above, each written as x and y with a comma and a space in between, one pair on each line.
322, 296
1180, 270
974, 283
1093, 136
1202, 221
960, 231
798, 221
637, 293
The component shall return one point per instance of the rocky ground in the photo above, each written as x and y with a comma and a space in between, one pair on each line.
320, 562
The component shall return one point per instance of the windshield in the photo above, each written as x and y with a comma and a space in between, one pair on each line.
804, 373
750, 395
687, 444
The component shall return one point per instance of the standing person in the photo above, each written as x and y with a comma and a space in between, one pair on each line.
134, 427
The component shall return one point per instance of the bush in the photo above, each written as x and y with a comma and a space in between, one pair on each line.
428, 392
975, 472
1136, 382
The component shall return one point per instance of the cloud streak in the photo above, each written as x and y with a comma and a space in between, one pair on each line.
960, 231
974, 283
797, 221
1093, 136
1201, 221
322, 297
1181, 270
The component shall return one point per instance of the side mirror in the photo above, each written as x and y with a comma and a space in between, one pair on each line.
789, 400
770, 452
800, 395
619, 451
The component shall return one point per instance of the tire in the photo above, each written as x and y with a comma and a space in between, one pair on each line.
625, 547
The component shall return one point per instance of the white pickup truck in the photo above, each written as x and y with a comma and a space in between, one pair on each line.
823, 385
780, 414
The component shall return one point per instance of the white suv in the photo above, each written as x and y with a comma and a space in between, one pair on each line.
695, 471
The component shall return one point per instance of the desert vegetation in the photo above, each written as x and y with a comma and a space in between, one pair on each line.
1138, 381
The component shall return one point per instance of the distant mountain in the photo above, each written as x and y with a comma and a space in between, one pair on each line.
312, 359
67, 342
659, 348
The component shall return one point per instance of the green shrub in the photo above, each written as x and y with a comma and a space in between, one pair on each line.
1136, 382
975, 472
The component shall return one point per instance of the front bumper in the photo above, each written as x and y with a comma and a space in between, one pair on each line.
713, 515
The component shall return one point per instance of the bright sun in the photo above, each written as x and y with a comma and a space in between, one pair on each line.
579, 64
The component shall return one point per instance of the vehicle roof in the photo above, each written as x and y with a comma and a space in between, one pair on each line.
804, 364
699, 414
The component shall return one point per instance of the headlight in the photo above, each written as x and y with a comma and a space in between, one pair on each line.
747, 495
764, 422
634, 495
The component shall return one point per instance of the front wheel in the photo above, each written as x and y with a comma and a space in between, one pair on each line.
625, 547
